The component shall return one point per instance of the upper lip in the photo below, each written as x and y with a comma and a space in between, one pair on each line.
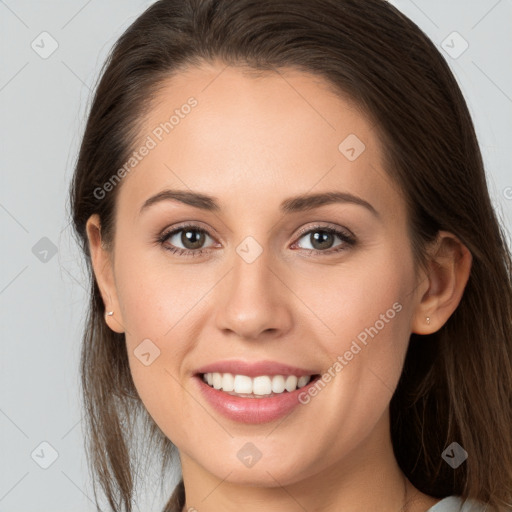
254, 368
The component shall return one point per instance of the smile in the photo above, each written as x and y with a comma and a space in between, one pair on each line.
262, 404
255, 387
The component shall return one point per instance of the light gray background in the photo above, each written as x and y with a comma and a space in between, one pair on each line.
43, 104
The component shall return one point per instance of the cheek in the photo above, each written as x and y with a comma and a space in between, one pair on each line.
369, 325
163, 307
370, 295
156, 295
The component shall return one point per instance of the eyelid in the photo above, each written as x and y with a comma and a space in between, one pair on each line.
325, 225
194, 225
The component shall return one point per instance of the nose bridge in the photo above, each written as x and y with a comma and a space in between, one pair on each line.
252, 265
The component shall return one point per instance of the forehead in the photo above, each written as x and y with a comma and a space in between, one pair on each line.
246, 135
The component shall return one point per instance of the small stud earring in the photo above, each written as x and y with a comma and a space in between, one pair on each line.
109, 313
428, 320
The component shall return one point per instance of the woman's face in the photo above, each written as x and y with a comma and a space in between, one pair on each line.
262, 279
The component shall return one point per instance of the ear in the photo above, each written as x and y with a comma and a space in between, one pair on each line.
102, 263
449, 267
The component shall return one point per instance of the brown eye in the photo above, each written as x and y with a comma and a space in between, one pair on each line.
321, 239
192, 238
187, 240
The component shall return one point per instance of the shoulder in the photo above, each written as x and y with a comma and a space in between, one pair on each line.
456, 504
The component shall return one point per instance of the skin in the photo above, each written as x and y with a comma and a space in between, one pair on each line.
253, 141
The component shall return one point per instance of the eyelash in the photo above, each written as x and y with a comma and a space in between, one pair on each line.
348, 240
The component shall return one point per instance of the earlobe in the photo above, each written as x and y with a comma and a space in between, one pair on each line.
101, 260
449, 268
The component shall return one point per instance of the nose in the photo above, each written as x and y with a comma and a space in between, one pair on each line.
254, 301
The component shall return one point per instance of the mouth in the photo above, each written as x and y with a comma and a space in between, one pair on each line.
254, 399
253, 392
258, 387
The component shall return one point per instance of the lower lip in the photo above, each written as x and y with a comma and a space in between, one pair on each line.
252, 410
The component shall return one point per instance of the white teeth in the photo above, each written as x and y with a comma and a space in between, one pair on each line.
278, 384
228, 382
217, 380
291, 383
262, 385
257, 386
243, 384
302, 381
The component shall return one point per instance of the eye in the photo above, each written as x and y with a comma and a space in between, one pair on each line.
322, 238
191, 236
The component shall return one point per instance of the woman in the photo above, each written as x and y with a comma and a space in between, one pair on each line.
337, 333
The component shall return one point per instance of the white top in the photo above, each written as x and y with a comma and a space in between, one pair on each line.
453, 504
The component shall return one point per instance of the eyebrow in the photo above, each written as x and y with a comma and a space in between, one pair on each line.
290, 205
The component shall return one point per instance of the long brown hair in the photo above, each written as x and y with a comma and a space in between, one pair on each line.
456, 384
